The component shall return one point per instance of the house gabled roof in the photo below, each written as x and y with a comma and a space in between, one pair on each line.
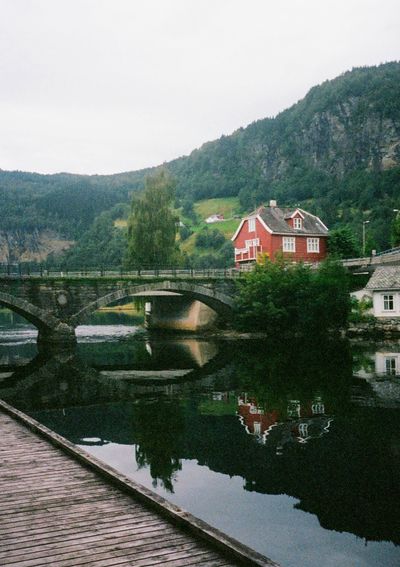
275, 219
385, 278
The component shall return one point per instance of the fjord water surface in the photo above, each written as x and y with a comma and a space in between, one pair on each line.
292, 449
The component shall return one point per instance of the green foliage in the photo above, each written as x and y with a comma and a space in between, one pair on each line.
361, 310
223, 258
184, 233
283, 299
152, 225
395, 236
207, 238
101, 245
67, 204
188, 210
342, 243
320, 154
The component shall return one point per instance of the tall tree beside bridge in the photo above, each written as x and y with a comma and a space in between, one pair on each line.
152, 224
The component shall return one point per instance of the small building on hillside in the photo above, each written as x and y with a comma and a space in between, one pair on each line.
214, 218
293, 232
384, 286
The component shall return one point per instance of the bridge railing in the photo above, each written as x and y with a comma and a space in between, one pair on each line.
390, 251
21, 271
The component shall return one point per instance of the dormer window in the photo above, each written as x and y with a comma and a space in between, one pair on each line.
297, 222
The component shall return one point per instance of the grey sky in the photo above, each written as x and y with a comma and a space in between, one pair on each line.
103, 86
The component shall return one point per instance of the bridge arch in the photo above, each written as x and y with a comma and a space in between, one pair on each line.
43, 321
221, 303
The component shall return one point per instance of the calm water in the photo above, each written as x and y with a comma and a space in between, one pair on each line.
293, 449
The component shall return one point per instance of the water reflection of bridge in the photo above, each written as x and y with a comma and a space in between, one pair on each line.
329, 475
66, 379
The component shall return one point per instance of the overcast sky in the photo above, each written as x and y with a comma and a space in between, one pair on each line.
104, 86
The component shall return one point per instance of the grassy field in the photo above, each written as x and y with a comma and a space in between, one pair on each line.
228, 207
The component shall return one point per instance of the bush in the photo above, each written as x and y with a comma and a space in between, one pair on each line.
210, 239
293, 299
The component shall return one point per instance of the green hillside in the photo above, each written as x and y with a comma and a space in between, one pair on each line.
336, 153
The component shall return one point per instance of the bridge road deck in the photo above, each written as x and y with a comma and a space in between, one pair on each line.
57, 511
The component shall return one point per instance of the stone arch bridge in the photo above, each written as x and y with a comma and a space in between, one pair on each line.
56, 305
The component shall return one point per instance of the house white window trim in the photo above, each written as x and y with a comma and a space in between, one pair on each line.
252, 242
289, 244
313, 245
391, 365
297, 223
252, 224
241, 251
388, 302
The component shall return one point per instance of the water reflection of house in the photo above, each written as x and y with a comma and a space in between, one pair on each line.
255, 420
384, 362
304, 421
387, 363
380, 379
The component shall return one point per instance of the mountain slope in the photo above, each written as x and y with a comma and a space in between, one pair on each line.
336, 152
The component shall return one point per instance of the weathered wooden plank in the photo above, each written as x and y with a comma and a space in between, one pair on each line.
105, 544
19, 538
54, 511
40, 524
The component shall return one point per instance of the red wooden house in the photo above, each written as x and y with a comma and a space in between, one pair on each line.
298, 235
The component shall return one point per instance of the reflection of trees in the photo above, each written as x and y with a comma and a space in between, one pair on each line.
300, 369
159, 430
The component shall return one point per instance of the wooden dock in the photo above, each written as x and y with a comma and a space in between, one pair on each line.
61, 507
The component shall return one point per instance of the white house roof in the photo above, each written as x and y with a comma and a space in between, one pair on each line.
385, 278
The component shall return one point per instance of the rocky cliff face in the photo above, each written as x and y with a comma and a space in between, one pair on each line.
21, 246
335, 141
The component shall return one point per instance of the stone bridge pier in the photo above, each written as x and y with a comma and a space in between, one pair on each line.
57, 305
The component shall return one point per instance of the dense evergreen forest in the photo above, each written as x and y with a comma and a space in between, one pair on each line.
335, 153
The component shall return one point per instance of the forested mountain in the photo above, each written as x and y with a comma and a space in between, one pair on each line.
336, 152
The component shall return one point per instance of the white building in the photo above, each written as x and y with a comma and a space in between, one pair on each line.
385, 288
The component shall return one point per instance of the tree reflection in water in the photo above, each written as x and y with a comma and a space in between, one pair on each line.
159, 431
340, 460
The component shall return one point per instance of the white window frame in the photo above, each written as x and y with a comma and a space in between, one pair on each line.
252, 225
313, 245
257, 427
289, 244
297, 223
391, 365
388, 299
252, 242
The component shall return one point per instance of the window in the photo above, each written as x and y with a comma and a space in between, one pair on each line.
289, 244
297, 222
388, 302
313, 245
390, 364
318, 408
253, 242
252, 225
303, 430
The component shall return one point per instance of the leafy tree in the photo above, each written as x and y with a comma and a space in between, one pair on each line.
210, 238
152, 225
188, 210
283, 299
342, 243
396, 231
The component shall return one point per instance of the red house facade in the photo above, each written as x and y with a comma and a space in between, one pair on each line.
298, 235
